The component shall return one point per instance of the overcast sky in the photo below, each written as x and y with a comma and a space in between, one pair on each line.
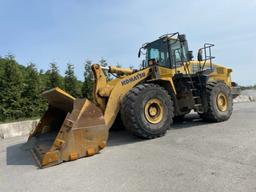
65, 31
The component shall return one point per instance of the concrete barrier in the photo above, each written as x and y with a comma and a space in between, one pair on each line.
246, 96
15, 129
242, 99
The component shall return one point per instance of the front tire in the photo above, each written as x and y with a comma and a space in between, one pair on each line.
147, 111
219, 102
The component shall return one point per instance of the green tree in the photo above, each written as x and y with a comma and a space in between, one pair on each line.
44, 78
11, 85
54, 78
70, 81
103, 63
87, 86
33, 103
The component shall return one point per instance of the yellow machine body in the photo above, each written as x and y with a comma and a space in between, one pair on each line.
73, 128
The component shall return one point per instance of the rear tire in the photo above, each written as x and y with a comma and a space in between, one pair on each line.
147, 111
219, 102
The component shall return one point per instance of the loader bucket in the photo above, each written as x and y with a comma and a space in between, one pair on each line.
70, 129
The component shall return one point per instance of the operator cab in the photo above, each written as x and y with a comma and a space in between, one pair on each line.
169, 51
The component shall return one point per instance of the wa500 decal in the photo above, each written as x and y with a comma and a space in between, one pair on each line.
134, 78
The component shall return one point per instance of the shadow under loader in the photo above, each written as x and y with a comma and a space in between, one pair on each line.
19, 154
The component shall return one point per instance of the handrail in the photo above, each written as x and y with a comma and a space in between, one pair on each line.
207, 46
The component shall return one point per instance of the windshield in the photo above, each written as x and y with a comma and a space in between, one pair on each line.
158, 50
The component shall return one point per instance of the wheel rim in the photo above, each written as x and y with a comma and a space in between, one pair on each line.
222, 102
154, 111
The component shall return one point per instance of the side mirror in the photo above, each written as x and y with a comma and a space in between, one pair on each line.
190, 55
139, 53
200, 55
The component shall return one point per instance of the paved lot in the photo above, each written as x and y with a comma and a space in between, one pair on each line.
193, 156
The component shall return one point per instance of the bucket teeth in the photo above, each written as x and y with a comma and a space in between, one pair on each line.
58, 143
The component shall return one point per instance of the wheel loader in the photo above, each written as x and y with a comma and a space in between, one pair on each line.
169, 84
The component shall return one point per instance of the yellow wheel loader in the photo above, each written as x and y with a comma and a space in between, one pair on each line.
169, 85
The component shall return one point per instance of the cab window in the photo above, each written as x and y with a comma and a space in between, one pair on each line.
154, 54
158, 50
177, 53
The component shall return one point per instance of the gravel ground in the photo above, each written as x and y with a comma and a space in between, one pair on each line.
193, 156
